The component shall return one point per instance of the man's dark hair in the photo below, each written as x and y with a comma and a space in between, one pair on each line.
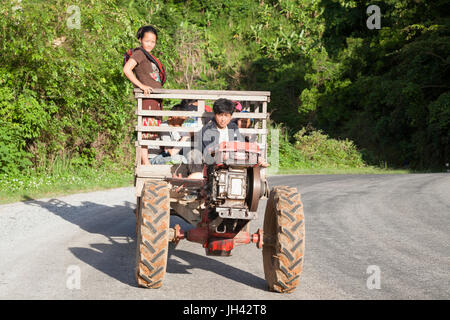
223, 106
144, 29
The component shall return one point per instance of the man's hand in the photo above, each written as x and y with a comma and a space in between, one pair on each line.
262, 162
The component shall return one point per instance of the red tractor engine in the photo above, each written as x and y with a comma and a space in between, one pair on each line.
233, 189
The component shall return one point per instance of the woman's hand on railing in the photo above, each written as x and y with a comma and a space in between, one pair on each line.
146, 89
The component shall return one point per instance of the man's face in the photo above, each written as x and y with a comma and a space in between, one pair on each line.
222, 119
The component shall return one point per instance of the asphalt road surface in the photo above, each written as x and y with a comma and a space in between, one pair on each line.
367, 237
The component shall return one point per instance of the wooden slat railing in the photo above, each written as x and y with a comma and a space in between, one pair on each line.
253, 101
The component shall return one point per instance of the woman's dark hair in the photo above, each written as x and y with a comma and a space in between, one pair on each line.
223, 106
186, 102
183, 107
144, 29
177, 107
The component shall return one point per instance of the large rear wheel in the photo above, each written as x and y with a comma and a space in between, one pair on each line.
152, 227
284, 239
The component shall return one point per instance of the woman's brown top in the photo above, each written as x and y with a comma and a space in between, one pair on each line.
146, 71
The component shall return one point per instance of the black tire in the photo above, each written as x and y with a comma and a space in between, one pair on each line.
152, 227
284, 239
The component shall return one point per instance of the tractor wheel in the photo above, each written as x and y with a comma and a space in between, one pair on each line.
152, 227
284, 239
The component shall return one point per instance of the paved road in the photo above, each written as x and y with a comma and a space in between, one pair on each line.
357, 227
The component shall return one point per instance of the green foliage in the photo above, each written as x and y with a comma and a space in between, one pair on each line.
323, 151
63, 93
64, 98
13, 159
386, 84
313, 149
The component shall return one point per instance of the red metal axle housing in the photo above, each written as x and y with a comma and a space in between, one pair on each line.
217, 243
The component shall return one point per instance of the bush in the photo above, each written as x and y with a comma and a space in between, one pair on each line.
13, 159
312, 149
326, 152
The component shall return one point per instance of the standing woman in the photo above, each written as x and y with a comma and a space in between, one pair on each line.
150, 74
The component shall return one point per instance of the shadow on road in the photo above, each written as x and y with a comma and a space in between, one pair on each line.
196, 261
117, 258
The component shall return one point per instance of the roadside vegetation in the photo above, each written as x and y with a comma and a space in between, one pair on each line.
62, 181
17, 189
347, 99
314, 152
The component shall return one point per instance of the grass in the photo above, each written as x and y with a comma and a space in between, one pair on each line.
34, 186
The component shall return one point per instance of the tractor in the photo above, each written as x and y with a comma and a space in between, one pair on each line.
221, 205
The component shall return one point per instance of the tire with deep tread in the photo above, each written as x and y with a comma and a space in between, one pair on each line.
152, 230
284, 239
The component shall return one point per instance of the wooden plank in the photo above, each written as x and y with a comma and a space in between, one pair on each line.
201, 106
264, 126
157, 171
139, 108
205, 116
190, 129
258, 123
244, 115
166, 129
139, 136
254, 131
201, 96
138, 155
206, 92
167, 113
159, 143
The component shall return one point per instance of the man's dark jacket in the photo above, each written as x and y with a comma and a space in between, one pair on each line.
210, 136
